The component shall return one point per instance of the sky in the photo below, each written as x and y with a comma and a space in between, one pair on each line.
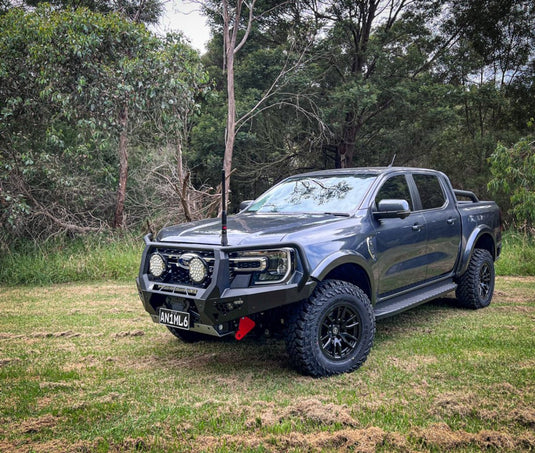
185, 16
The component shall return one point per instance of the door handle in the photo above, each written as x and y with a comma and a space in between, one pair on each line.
451, 221
417, 227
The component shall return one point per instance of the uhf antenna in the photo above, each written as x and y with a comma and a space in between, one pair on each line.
224, 240
393, 159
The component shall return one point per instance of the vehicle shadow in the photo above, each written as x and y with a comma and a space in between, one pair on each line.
261, 356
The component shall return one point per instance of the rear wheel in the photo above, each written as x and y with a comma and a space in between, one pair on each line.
476, 285
333, 331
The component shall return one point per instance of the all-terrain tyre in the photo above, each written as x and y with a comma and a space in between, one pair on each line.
476, 286
332, 332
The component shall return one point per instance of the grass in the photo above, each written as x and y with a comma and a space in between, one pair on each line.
518, 256
83, 368
62, 260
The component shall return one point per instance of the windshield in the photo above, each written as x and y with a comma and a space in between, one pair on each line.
340, 194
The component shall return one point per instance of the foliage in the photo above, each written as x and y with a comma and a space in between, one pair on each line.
518, 254
93, 257
513, 174
66, 80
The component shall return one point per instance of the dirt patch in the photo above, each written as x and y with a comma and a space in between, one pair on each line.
307, 410
37, 424
57, 446
355, 440
10, 361
441, 436
454, 404
525, 416
66, 334
131, 333
413, 364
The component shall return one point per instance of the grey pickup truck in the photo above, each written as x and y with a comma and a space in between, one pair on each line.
319, 258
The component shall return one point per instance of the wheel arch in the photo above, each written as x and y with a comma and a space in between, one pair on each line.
349, 267
481, 238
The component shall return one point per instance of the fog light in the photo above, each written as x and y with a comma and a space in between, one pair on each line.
156, 265
197, 270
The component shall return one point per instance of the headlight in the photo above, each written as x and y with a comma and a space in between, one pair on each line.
266, 266
157, 265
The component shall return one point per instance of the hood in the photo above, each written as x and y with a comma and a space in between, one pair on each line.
248, 229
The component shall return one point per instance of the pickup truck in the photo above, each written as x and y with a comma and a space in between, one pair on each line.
319, 258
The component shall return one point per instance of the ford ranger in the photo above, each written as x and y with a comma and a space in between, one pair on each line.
320, 257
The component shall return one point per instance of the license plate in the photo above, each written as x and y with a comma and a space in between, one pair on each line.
172, 318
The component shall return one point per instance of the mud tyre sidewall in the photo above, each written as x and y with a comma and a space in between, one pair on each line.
322, 339
476, 286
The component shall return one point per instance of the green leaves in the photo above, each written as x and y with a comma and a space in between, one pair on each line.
513, 174
65, 78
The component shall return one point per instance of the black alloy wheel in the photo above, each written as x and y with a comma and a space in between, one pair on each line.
340, 332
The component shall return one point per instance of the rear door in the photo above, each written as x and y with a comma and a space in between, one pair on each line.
400, 243
443, 223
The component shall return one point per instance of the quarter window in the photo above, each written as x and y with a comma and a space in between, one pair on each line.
395, 188
431, 193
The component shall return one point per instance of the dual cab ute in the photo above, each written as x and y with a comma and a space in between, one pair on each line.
320, 257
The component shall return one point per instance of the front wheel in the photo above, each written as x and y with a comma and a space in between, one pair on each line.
333, 331
476, 285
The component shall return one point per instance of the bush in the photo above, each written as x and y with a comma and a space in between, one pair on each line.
61, 260
518, 255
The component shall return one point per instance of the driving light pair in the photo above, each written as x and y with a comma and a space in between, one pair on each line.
196, 267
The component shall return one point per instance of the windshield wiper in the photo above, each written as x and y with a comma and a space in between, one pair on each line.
338, 214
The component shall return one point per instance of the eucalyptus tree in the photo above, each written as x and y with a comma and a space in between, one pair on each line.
66, 78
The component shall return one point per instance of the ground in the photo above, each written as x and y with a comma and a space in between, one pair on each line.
83, 368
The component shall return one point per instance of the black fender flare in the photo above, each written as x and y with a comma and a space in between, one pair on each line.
469, 246
341, 258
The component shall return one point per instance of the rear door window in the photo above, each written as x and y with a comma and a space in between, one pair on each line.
431, 193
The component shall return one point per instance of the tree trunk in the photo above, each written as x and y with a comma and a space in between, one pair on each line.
231, 118
123, 169
346, 148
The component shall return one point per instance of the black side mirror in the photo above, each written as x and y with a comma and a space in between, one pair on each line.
245, 204
392, 209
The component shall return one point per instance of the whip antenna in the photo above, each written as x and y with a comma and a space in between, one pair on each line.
224, 240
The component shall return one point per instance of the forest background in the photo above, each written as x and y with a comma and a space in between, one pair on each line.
108, 127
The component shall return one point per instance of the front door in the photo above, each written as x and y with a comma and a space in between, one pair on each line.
400, 243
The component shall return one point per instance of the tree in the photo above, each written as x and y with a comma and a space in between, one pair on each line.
66, 78
513, 175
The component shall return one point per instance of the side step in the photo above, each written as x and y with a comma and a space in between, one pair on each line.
412, 299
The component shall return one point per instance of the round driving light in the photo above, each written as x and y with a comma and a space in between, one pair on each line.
197, 270
156, 265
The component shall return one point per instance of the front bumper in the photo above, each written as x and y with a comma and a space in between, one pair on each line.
217, 308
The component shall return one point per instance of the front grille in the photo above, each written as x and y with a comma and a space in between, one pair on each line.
179, 275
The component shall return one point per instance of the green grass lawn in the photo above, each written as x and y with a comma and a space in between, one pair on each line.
83, 368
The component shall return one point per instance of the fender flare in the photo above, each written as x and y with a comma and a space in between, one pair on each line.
469, 246
341, 258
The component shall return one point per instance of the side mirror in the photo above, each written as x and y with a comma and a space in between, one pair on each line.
245, 204
392, 209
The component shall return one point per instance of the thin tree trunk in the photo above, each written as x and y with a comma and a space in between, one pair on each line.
123, 169
231, 117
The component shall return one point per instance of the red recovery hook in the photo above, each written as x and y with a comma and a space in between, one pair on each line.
246, 325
